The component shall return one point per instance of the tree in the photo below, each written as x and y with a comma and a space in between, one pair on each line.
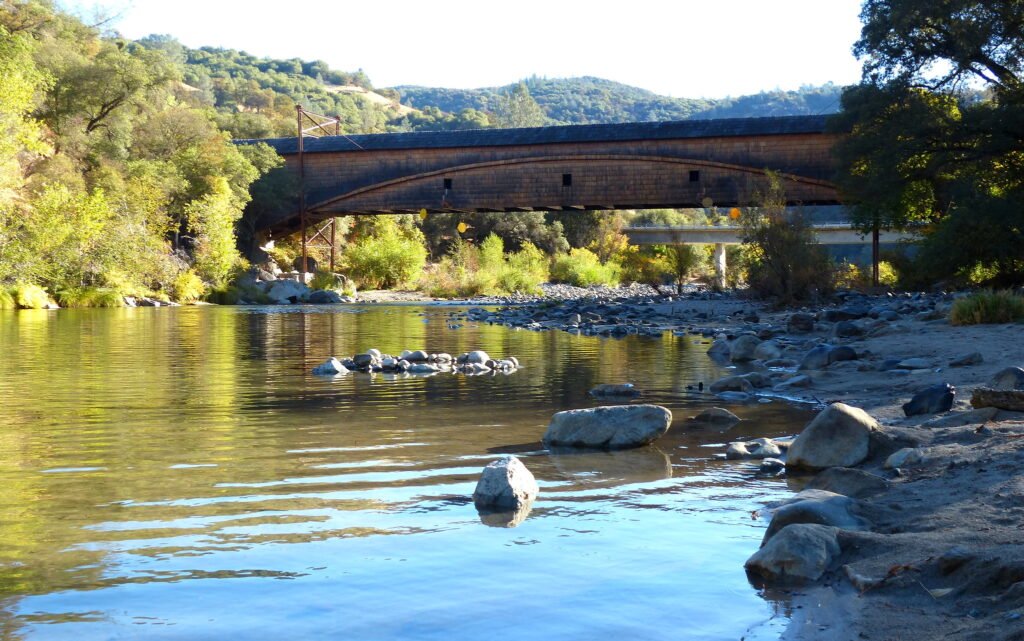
940, 44
517, 108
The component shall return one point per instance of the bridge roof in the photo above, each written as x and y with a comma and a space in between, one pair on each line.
725, 127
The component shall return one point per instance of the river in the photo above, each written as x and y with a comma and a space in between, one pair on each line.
180, 474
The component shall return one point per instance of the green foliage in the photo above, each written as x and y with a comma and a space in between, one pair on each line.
7, 299
517, 108
212, 220
785, 263
583, 268
188, 287
922, 149
469, 270
237, 293
514, 229
89, 297
386, 257
988, 307
28, 296
334, 282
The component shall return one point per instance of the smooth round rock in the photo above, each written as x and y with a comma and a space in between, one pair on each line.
608, 427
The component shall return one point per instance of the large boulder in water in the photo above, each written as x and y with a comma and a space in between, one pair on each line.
505, 483
837, 437
823, 508
799, 552
287, 291
608, 427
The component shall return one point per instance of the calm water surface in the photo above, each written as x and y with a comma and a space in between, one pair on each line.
179, 474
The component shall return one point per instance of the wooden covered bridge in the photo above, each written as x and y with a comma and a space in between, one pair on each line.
644, 165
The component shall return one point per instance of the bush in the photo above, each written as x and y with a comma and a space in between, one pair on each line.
786, 263
30, 296
89, 297
387, 256
188, 287
988, 307
6, 300
470, 271
333, 282
582, 268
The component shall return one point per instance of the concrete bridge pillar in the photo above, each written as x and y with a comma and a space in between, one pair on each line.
720, 265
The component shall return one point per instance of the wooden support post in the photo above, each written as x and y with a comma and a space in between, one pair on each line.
334, 225
720, 265
874, 255
302, 190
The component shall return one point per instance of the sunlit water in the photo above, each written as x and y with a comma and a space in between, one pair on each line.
179, 474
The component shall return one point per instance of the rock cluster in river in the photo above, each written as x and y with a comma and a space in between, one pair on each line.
419, 362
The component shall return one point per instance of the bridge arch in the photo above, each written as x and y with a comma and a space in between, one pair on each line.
571, 181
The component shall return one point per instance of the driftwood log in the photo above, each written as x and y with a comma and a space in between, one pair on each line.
1012, 400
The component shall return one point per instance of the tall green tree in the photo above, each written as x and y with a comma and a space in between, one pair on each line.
517, 108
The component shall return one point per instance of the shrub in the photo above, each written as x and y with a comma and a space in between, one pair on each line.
582, 268
888, 275
470, 271
89, 297
387, 256
188, 287
334, 282
988, 307
785, 261
30, 296
6, 300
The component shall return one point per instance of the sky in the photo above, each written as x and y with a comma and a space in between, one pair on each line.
681, 48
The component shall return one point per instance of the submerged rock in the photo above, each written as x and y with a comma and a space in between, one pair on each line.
624, 390
505, 483
612, 427
717, 416
731, 384
799, 552
837, 437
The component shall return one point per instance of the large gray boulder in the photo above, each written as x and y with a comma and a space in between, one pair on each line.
608, 427
287, 291
506, 484
323, 297
837, 437
799, 552
742, 349
768, 350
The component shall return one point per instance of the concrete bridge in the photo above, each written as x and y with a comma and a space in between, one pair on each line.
578, 167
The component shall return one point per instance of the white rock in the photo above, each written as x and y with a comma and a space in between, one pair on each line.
330, 367
505, 483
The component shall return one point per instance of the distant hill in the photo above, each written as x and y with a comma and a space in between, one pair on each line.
595, 100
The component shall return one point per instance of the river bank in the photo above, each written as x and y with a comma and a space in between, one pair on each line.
938, 552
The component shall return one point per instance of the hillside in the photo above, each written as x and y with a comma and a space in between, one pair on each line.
595, 100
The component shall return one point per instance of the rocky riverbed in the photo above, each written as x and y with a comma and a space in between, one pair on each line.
910, 524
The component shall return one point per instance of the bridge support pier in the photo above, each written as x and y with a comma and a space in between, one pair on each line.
720, 266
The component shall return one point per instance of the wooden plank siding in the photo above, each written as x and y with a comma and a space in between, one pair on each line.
611, 166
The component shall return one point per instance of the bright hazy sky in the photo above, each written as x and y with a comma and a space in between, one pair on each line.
682, 48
